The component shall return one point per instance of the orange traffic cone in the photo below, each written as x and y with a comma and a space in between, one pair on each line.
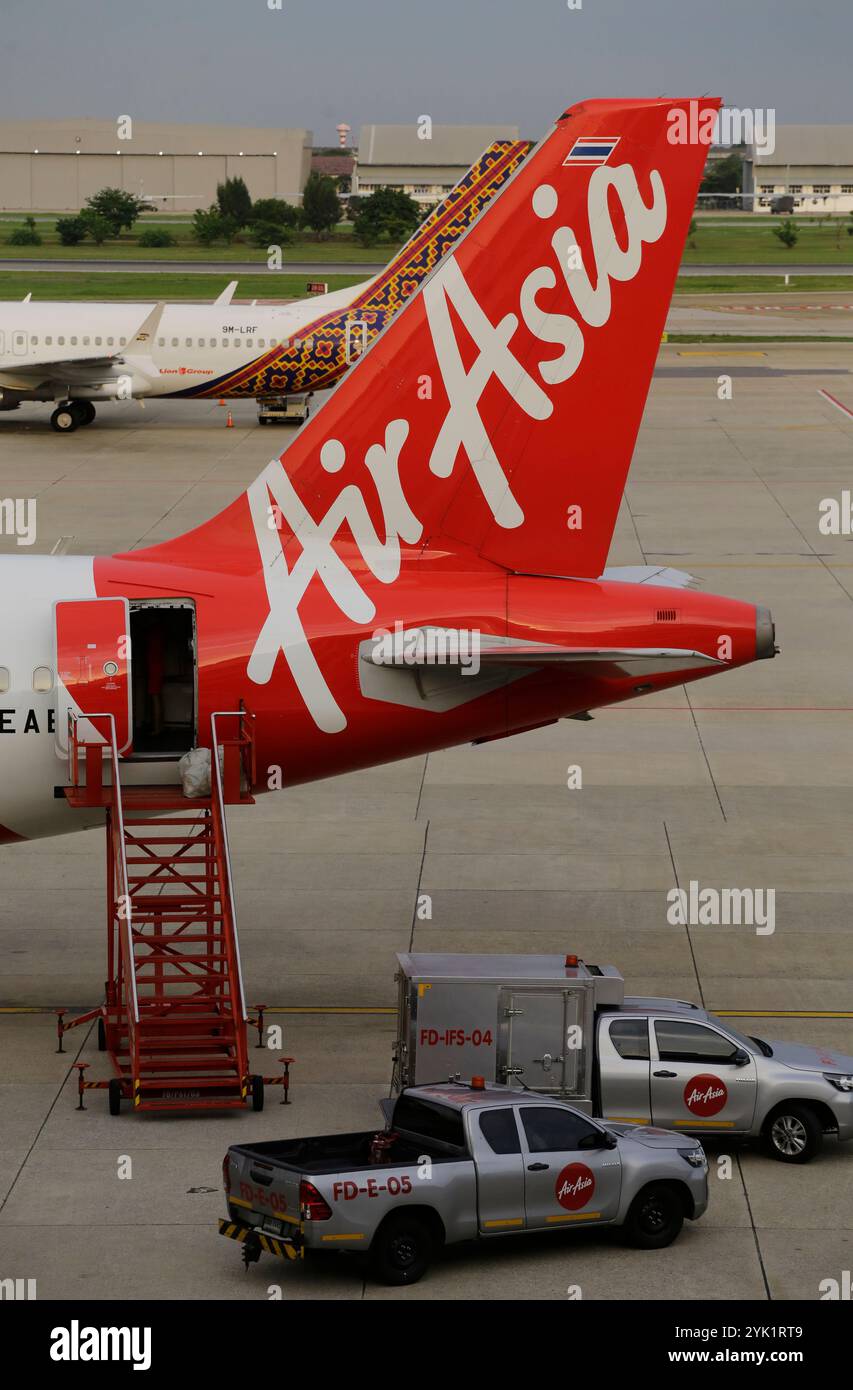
222, 401
229, 423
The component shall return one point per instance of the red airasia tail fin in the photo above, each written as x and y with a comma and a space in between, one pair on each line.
498, 411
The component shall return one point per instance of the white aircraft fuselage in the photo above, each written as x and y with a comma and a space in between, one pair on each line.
108, 351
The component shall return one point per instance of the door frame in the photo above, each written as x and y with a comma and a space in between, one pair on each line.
137, 605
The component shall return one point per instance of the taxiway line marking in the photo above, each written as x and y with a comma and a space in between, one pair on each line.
839, 405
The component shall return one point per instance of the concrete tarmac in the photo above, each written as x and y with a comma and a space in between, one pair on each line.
742, 782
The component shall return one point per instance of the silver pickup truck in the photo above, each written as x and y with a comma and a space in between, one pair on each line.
460, 1162
556, 1025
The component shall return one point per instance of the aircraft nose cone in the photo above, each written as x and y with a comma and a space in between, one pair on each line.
765, 634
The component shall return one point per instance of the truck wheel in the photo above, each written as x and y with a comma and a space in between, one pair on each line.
402, 1250
655, 1218
257, 1093
114, 1094
794, 1134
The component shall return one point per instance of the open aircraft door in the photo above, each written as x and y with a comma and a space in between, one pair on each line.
93, 668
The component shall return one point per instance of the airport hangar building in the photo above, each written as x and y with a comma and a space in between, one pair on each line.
811, 163
397, 156
54, 166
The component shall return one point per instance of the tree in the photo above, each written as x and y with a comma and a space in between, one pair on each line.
274, 211
97, 225
321, 206
72, 230
787, 233
118, 209
156, 236
211, 225
25, 236
234, 201
270, 234
387, 213
723, 175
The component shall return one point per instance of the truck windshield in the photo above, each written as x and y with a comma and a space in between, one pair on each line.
749, 1044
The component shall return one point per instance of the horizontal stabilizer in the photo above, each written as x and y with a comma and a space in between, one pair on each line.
433, 646
660, 575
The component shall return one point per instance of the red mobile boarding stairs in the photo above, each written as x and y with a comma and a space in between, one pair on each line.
174, 1018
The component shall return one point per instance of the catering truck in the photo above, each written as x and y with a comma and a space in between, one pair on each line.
557, 1026
460, 1162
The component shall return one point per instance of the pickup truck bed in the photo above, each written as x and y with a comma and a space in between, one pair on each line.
333, 1153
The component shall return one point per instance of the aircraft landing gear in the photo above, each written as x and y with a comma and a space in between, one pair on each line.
69, 415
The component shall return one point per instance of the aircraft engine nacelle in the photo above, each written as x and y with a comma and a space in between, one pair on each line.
9, 400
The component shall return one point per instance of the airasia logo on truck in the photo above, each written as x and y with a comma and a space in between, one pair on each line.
705, 1095
575, 1186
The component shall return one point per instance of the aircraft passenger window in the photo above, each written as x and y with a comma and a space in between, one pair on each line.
5, 679
48, 340
98, 342
61, 342
236, 342
42, 679
122, 342
224, 342
86, 342
212, 342
189, 342
249, 342
161, 342
34, 341
73, 342
110, 342
174, 342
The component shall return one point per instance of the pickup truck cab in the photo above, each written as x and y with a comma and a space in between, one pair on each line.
670, 1063
460, 1162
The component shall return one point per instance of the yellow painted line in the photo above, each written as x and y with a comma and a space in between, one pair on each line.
576, 1216
782, 1013
353, 1237
704, 1124
326, 1009
273, 1009
239, 1202
511, 1221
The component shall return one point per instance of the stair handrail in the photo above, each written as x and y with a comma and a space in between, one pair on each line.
75, 743
244, 740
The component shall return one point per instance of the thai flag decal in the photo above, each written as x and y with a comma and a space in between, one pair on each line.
592, 149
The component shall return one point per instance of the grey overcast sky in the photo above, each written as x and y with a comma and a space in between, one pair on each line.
317, 62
